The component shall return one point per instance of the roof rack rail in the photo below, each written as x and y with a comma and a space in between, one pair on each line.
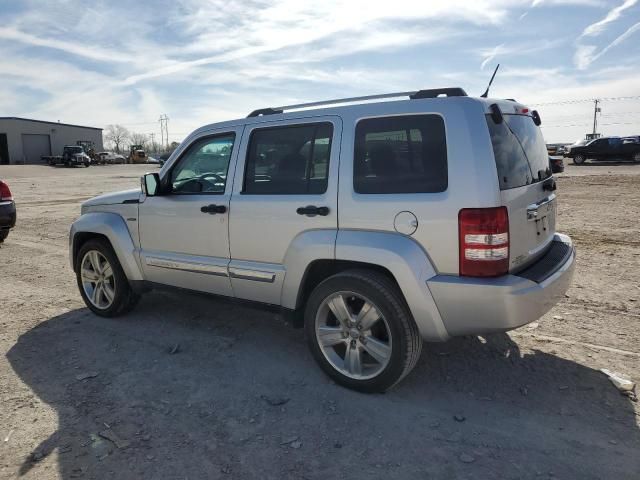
414, 95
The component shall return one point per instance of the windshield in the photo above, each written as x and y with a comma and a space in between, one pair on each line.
73, 149
520, 152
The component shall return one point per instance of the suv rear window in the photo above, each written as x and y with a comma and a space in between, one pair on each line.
520, 152
403, 154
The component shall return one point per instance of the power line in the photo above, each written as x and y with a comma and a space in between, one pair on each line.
587, 100
587, 124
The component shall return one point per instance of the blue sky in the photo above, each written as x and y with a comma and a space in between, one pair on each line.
98, 63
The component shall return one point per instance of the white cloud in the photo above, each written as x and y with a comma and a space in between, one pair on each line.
289, 23
202, 61
598, 27
490, 55
585, 54
75, 48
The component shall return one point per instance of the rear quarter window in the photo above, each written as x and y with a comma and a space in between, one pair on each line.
401, 154
519, 150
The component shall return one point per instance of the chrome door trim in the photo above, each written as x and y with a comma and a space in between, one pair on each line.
194, 267
255, 275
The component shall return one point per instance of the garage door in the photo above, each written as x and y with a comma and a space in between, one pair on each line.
34, 146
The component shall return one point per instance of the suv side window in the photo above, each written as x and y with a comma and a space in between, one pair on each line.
288, 160
203, 168
403, 154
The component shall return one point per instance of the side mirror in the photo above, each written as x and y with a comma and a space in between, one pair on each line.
150, 183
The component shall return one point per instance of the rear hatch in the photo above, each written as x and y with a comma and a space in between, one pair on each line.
524, 175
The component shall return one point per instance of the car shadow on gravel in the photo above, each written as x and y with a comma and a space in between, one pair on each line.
190, 387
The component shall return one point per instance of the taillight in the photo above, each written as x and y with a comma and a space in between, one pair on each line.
484, 241
5, 193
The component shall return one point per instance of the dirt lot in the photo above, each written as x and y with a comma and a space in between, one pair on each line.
85, 397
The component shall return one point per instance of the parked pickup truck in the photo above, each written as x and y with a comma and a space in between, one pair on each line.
605, 148
71, 155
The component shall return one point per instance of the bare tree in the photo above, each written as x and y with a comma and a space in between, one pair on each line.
117, 135
139, 139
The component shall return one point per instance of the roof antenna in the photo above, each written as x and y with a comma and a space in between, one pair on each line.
486, 92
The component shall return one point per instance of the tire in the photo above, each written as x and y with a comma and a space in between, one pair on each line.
123, 297
395, 330
636, 157
579, 159
3, 235
87, 164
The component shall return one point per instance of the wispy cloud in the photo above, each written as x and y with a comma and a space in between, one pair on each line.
201, 61
614, 14
74, 48
488, 56
586, 54
517, 49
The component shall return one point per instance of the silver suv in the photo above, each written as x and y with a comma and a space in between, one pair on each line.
377, 225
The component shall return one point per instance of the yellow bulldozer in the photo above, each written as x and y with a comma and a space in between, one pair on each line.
137, 154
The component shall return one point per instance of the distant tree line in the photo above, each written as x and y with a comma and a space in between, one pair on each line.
119, 139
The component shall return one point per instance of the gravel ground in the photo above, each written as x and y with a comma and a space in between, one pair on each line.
191, 387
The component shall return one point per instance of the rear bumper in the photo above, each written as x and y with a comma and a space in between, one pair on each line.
7, 215
484, 305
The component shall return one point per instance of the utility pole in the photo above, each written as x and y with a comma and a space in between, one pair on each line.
164, 129
596, 111
153, 141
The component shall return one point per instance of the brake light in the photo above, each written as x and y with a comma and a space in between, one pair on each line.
5, 193
484, 241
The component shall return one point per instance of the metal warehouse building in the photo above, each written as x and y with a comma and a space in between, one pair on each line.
23, 140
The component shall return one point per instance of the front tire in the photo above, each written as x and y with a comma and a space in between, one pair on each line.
103, 285
579, 159
361, 332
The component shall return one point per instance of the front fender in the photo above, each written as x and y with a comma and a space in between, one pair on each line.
112, 226
410, 266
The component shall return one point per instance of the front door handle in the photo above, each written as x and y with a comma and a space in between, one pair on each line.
312, 211
213, 209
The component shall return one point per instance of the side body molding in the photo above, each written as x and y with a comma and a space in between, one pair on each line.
112, 226
410, 266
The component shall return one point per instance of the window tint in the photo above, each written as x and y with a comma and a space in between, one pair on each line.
203, 168
289, 160
520, 152
405, 154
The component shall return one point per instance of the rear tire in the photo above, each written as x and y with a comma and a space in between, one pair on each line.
636, 157
103, 285
375, 345
3, 235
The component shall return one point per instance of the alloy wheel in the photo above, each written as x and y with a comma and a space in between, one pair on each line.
353, 335
98, 280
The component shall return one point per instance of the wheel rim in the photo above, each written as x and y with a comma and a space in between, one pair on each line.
579, 159
98, 281
636, 157
353, 335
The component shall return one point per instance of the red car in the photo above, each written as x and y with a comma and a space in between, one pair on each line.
7, 211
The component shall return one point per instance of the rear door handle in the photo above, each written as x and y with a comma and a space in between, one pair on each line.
213, 209
312, 211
